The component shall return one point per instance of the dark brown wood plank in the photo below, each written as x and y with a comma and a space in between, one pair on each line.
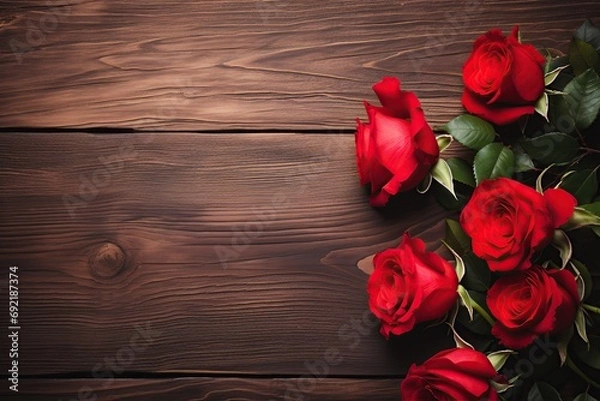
233, 253
305, 388
205, 65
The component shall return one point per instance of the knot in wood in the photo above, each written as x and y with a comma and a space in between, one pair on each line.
108, 260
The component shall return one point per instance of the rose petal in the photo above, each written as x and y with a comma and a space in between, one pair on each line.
466, 359
497, 114
427, 144
397, 102
566, 280
457, 385
527, 72
363, 147
561, 205
513, 38
511, 338
567, 288
379, 199
394, 145
517, 261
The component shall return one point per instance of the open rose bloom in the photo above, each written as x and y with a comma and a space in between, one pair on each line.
524, 249
410, 285
508, 221
456, 374
397, 148
503, 78
531, 303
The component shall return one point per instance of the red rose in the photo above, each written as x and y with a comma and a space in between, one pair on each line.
457, 374
397, 148
532, 303
509, 221
410, 285
503, 78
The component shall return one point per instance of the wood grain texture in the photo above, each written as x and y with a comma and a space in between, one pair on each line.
199, 253
210, 389
207, 65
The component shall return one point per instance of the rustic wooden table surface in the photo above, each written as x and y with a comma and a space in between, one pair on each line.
178, 188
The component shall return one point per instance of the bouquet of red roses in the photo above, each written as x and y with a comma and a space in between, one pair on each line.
518, 296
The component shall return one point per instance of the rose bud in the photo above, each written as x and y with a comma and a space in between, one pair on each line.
410, 285
456, 374
503, 78
531, 303
397, 148
508, 221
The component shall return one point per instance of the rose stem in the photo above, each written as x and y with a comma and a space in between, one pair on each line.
484, 313
575, 369
591, 308
580, 137
590, 150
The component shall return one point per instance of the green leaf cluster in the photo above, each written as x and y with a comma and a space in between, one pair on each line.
559, 147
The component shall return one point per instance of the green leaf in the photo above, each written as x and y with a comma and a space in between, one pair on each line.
561, 241
582, 56
492, 161
559, 114
583, 279
447, 200
584, 397
443, 141
456, 238
555, 92
499, 358
459, 341
424, 185
478, 325
581, 218
564, 338
501, 387
554, 147
441, 173
552, 64
538, 182
583, 98
477, 273
459, 266
590, 356
541, 106
543, 392
588, 33
466, 300
471, 131
582, 184
461, 171
562, 178
523, 162
551, 76
581, 325
592, 207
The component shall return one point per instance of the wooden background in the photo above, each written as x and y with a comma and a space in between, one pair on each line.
178, 188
